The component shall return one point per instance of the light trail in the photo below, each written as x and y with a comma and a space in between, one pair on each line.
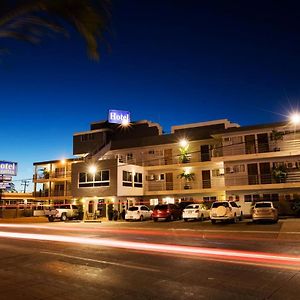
235, 255
249, 235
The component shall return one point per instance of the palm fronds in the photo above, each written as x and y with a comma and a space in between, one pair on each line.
31, 20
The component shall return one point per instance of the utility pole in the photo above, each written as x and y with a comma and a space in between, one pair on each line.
25, 182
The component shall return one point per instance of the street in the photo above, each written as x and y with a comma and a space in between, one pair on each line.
175, 260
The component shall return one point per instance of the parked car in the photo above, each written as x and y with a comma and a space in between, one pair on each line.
225, 210
62, 212
195, 212
168, 212
138, 212
264, 210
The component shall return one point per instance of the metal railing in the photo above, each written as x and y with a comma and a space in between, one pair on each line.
52, 175
288, 144
261, 179
182, 185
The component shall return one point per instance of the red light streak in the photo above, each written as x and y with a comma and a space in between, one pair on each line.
235, 255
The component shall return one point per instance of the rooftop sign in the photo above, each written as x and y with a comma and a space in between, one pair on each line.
8, 168
118, 116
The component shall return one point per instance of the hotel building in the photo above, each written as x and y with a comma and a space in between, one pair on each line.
216, 160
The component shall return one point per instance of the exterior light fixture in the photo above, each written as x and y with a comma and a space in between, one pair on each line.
92, 169
183, 143
125, 123
295, 118
63, 161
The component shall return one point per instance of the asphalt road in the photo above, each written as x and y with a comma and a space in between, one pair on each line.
149, 261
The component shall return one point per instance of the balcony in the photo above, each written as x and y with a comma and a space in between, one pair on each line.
184, 187
266, 180
288, 146
45, 194
52, 176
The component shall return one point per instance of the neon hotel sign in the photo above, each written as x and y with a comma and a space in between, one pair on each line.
8, 168
118, 116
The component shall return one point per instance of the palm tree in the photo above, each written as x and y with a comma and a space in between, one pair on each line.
30, 20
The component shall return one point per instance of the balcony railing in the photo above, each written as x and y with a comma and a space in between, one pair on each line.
45, 193
191, 185
287, 144
52, 175
261, 179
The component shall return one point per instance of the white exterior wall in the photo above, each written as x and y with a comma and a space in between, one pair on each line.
126, 190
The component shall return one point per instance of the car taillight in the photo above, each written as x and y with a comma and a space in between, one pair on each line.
168, 211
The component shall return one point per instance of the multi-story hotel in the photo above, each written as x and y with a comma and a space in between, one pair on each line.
216, 160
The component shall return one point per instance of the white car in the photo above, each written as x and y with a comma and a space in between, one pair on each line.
225, 210
138, 212
195, 212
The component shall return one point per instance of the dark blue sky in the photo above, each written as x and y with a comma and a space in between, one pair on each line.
172, 62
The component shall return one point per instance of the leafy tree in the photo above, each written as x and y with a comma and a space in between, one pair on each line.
32, 19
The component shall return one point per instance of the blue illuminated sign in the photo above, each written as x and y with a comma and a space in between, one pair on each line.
118, 116
8, 168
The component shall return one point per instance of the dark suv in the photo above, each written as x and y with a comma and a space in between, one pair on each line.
168, 212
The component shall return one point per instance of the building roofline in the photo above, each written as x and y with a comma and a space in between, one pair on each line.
91, 131
226, 122
55, 161
254, 127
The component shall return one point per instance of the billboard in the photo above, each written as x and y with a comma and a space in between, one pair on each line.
118, 116
8, 168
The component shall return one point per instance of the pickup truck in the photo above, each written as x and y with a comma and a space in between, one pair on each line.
62, 212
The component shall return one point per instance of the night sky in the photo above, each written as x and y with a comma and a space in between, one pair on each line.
171, 62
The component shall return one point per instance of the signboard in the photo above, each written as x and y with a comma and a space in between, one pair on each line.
118, 116
8, 168
4, 186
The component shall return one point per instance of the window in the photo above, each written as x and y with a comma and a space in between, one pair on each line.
138, 180
101, 178
233, 204
127, 178
239, 168
82, 177
263, 205
129, 156
248, 198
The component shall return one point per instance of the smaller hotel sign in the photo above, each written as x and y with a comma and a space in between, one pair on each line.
118, 116
8, 168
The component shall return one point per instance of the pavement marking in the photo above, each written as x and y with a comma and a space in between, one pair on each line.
102, 261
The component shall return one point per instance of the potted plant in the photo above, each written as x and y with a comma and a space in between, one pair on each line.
188, 177
184, 156
276, 136
280, 173
46, 173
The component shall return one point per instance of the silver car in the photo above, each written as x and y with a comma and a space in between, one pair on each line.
264, 210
